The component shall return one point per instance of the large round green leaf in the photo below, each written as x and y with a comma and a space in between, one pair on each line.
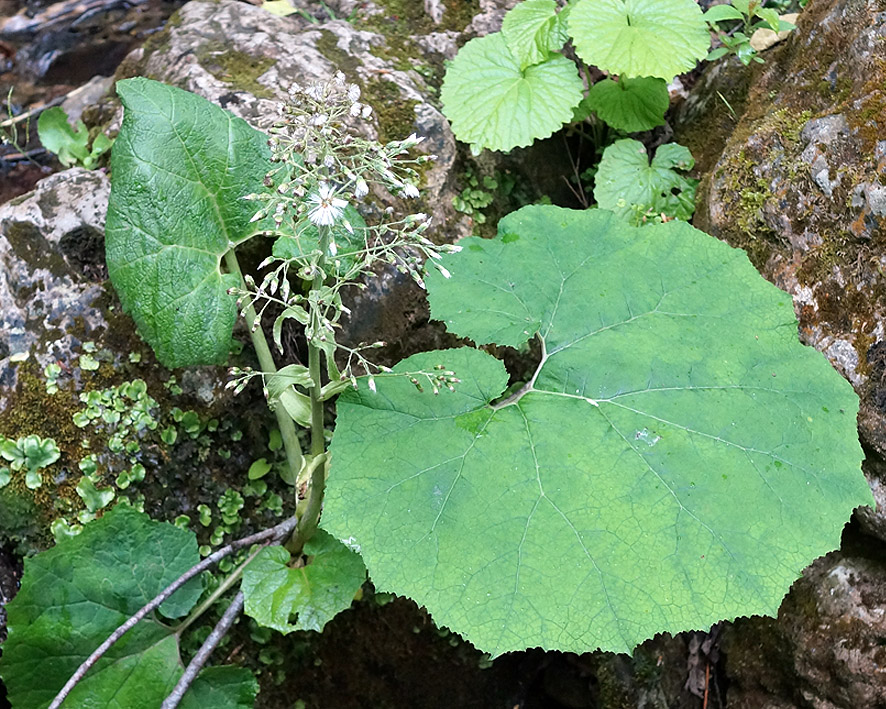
677, 458
181, 166
493, 103
660, 38
628, 104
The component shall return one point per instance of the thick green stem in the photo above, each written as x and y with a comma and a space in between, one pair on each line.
310, 517
266, 360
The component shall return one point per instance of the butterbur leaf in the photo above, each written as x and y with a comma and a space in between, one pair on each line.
719, 13
75, 594
532, 30
493, 103
629, 185
312, 595
181, 165
676, 459
628, 104
659, 38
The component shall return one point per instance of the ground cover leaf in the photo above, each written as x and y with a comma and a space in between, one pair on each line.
677, 458
660, 38
532, 30
628, 104
181, 166
75, 594
628, 184
493, 103
313, 594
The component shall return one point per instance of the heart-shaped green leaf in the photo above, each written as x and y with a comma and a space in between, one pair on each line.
532, 30
628, 104
660, 38
181, 166
677, 458
312, 595
75, 594
629, 185
493, 103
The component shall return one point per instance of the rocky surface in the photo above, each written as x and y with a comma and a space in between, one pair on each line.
825, 650
793, 156
51, 270
801, 184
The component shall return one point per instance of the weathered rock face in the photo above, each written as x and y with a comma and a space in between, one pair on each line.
51, 270
794, 158
824, 651
801, 185
244, 59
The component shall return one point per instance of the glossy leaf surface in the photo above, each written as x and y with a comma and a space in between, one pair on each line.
532, 30
659, 38
181, 166
677, 458
493, 103
630, 105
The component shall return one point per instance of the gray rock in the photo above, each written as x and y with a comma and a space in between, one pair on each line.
244, 59
825, 650
51, 270
798, 183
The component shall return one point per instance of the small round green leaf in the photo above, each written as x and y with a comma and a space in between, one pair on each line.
628, 104
660, 38
629, 185
677, 458
312, 595
532, 30
494, 104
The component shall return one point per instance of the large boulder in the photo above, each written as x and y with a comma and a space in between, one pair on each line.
801, 183
793, 155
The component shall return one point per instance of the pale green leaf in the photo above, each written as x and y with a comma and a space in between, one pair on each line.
59, 137
628, 104
532, 31
719, 13
677, 458
304, 598
494, 104
659, 38
627, 184
281, 8
75, 594
181, 166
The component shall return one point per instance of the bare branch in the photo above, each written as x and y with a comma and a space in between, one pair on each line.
194, 666
276, 533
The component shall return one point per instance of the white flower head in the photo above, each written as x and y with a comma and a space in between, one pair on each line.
326, 208
353, 93
366, 111
361, 188
339, 79
371, 383
409, 190
355, 109
443, 271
